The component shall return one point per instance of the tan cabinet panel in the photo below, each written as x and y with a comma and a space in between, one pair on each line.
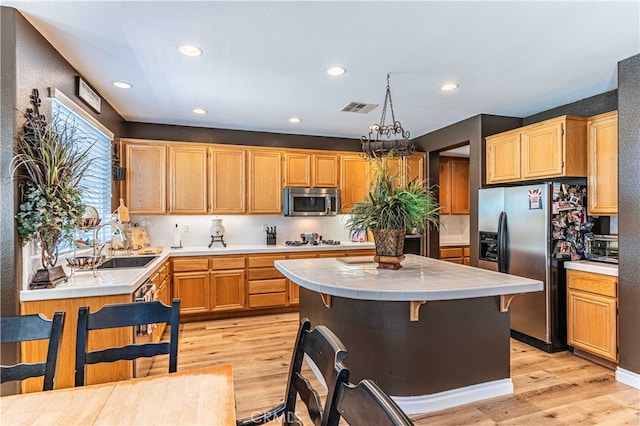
454, 185
265, 184
193, 290
503, 158
227, 183
262, 261
267, 300
414, 168
36, 351
354, 181
146, 178
237, 262
227, 290
325, 171
602, 151
542, 151
188, 264
267, 286
188, 180
294, 293
592, 323
297, 168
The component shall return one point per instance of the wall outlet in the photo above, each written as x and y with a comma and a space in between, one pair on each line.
187, 229
264, 227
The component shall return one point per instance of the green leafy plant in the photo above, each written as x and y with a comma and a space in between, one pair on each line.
390, 206
49, 162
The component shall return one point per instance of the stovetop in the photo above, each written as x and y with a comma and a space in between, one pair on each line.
312, 243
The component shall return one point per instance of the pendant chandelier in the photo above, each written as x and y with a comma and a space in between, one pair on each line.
387, 140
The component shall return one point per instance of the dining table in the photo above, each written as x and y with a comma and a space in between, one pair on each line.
203, 396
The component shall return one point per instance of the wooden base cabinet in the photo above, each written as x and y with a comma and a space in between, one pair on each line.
592, 321
456, 254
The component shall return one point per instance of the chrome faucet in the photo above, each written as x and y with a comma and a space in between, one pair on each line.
118, 226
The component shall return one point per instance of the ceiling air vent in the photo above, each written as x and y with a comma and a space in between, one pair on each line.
358, 107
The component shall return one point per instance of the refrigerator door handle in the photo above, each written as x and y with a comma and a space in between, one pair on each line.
502, 243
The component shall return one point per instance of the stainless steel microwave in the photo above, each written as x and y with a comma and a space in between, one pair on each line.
310, 201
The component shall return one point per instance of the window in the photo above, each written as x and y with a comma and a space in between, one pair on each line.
96, 183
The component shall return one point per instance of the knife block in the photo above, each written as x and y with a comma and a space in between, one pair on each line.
271, 238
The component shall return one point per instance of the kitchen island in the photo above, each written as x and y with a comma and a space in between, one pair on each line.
432, 334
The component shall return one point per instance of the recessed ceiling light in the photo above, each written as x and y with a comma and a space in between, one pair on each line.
122, 84
336, 71
295, 120
449, 86
190, 50
199, 111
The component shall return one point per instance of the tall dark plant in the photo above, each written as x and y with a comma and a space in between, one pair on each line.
389, 205
49, 163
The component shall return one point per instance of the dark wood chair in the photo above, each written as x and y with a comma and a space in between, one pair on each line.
326, 351
126, 315
32, 327
365, 404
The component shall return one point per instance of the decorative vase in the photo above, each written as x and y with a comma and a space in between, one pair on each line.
389, 248
216, 229
51, 274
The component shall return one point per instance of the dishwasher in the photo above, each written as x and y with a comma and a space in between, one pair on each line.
147, 292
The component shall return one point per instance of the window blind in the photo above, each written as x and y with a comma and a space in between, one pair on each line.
96, 183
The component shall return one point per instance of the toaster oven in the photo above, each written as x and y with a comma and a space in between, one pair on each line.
601, 248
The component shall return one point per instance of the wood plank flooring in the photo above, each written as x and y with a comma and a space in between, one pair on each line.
552, 389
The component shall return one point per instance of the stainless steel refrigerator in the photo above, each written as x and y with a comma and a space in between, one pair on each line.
515, 226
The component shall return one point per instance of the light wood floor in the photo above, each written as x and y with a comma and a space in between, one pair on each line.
553, 389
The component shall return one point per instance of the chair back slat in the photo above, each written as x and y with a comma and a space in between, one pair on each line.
367, 404
310, 397
27, 328
126, 315
129, 352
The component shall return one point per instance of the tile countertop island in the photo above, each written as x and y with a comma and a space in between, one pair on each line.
433, 334
126, 281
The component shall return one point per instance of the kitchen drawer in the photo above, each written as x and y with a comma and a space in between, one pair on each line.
467, 252
226, 263
268, 299
264, 273
332, 254
459, 260
264, 261
604, 285
267, 286
367, 252
451, 252
302, 255
191, 264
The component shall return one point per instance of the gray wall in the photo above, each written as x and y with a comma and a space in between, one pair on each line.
629, 211
28, 62
8, 266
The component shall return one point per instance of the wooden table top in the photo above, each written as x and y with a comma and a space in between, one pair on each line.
196, 397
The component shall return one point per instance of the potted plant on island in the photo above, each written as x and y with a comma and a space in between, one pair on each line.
48, 163
391, 209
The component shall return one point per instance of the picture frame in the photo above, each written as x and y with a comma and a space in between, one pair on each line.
88, 95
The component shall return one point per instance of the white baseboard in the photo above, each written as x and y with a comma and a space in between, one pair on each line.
454, 397
628, 377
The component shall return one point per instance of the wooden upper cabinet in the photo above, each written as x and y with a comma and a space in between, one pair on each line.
297, 169
552, 148
325, 171
354, 181
414, 168
602, 152
265, 189
188, 179
227, 182
310, 170
503, 158
454, 185
146, 178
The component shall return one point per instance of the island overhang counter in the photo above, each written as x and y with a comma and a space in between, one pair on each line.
433, 334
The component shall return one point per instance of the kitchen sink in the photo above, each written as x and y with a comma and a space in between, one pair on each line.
127, 262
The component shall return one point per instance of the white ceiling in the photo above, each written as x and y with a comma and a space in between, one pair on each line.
264, 62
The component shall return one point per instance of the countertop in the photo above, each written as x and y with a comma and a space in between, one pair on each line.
126, 281
449, 243
421, 278
595, 267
